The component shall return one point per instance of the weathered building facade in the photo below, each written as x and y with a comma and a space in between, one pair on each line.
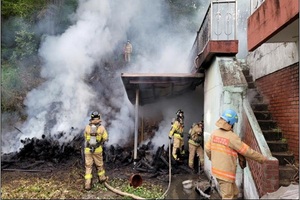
261, 85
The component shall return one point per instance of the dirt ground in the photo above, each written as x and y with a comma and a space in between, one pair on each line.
65, 180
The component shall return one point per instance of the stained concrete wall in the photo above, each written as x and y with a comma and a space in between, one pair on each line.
224, 88
271, 57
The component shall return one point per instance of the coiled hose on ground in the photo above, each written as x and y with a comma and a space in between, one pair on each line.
137, 197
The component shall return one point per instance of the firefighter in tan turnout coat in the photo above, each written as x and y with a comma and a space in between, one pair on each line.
223, 149
195, 142
127, 51
95, 135
176, 133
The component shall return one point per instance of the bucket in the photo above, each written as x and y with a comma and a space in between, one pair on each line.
135, 180
188, 184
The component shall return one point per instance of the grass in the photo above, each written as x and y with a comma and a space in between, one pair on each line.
68, 185
147, 190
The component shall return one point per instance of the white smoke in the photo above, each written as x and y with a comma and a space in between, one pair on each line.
65, 100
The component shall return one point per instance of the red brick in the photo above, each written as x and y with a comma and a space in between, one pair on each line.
282, 94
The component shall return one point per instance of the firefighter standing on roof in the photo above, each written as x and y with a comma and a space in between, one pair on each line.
223, 149
95, 135
127, 51
176, 133
195, 142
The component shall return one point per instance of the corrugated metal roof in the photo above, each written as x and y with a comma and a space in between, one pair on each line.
154, 87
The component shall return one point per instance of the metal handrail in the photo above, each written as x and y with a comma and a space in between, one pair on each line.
219, 23
254, 4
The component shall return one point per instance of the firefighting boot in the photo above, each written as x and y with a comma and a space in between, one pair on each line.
201, 170
88, 184
103, 179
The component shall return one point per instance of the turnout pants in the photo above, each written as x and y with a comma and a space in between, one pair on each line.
90, 159
228, 190
193, 149
177, 143
127, 57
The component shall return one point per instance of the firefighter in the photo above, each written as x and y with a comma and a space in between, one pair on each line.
127, 51
195, 145
176, 133
223, 149
95, 135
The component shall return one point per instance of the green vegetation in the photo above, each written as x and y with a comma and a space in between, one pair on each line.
20, 41
148, 191
70, 187
21, 8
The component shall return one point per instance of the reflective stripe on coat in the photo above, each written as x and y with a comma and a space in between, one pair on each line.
176, 130
222, 149
101, 136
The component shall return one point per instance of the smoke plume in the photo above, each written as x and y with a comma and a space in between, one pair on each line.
82, 74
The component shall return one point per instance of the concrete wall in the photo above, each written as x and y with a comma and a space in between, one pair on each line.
224, 88
271, 57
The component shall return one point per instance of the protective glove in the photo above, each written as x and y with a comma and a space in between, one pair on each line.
88, 144
99, 143
242, 161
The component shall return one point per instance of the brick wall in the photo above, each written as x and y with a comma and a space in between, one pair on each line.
281, 91
266, 176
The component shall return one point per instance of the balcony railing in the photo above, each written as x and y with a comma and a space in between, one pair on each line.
254, 4
219, 23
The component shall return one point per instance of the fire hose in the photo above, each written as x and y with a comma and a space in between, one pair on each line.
137, 197
122, 193
170, 171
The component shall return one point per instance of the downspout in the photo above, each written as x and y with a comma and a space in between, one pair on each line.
136, 125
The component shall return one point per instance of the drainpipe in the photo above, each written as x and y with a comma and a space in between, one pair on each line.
136, 124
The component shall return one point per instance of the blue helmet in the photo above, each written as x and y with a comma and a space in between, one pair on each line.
230, 116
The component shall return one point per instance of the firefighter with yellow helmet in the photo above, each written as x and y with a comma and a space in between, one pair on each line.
176, 133
223, 149
95, 135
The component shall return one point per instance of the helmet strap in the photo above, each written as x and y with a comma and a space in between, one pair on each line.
221, 123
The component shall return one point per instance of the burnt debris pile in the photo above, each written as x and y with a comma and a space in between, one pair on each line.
46, 149
148, 159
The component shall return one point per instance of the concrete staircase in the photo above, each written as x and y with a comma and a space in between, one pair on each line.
273, 135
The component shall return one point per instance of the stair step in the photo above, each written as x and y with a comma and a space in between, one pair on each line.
246, 72
251, 85
262, 115
277, 146
249, 78
287, 172
281, 156
259, 107
253, 96
267, 124
272, 135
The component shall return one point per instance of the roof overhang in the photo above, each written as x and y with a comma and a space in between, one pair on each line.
154, 87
